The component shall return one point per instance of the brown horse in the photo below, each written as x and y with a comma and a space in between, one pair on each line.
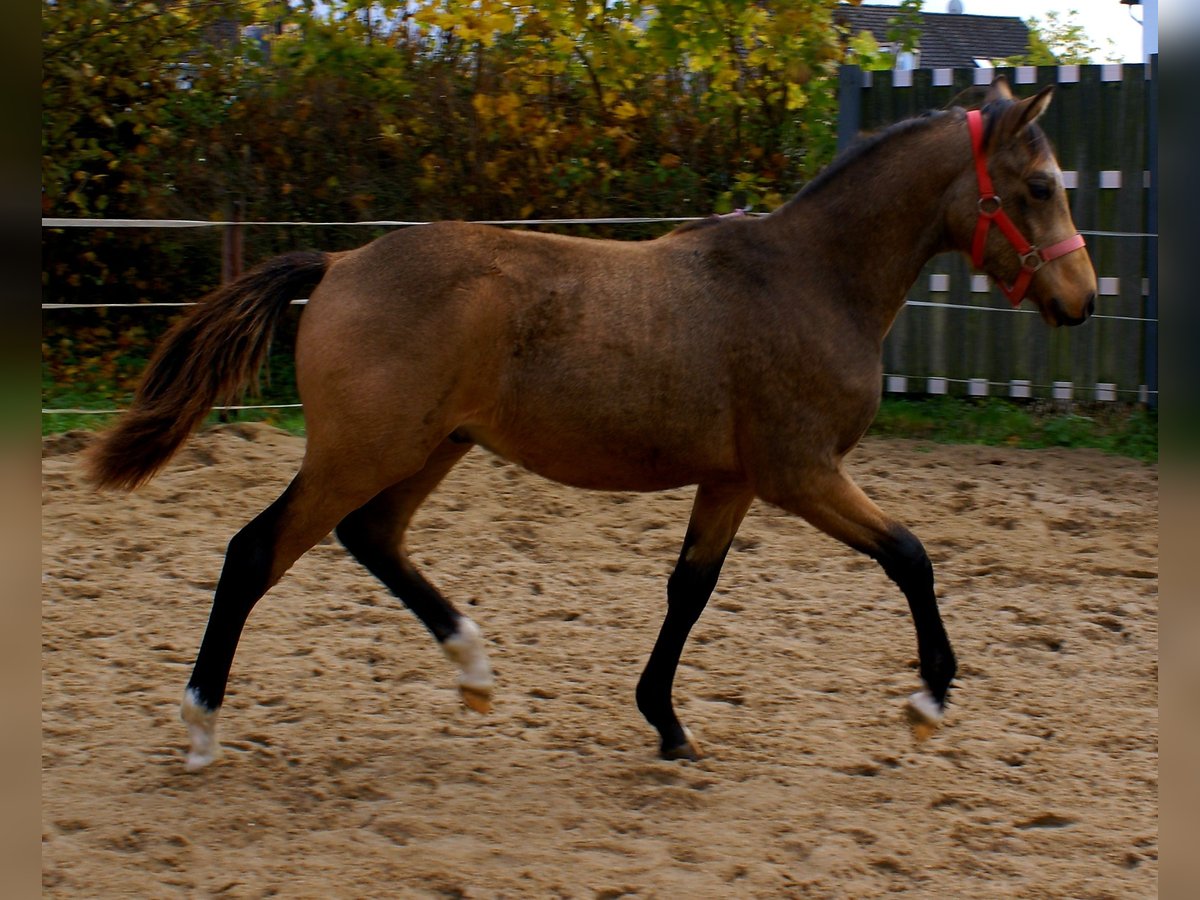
742, 355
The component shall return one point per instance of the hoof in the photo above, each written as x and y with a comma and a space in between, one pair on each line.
202, 732
477, 699
197, 759
688, 750
924, 714
465, 648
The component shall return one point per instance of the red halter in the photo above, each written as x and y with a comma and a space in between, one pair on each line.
990, 210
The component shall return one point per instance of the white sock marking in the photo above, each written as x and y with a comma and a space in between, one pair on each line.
202, 729
923, 704
465, 648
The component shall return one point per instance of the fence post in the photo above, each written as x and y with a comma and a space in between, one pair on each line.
1151, 332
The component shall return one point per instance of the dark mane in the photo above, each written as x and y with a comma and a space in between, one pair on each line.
864, 146
867, 144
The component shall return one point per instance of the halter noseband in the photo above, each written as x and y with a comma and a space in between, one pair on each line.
991, 210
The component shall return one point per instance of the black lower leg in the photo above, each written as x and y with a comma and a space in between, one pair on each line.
905, 561
380, 554
245, 577
688, 591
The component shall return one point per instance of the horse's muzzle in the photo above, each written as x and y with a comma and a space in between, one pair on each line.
1062, 317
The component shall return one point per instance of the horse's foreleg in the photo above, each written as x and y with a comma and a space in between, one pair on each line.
256, 558
716, 515
374, 534
833, 503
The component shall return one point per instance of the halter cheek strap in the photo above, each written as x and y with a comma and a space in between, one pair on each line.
991, 210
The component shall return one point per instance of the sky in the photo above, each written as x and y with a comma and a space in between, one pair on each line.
1101, 19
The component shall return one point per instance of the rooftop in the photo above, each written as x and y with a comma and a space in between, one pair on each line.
948, 40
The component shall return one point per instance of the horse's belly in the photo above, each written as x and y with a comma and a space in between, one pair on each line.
614, 462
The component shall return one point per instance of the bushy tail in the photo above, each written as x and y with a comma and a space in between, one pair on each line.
207, 358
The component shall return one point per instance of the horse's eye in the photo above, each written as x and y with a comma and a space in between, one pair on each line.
1040, 190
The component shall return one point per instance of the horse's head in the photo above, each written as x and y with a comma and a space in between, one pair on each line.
1010, 210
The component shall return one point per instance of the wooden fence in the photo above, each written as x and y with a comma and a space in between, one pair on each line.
959, 335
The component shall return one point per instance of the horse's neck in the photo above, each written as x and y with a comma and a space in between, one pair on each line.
876, 223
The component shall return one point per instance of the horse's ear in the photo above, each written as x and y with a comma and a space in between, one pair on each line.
1013, 118
1033, 107
998, 90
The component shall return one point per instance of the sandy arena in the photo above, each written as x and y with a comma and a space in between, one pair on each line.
351, 770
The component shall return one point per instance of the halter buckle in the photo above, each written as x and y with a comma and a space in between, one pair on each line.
986, 207
1032, 260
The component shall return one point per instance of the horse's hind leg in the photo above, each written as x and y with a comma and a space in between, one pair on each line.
833, 503
256, 558
374, 534
716, 515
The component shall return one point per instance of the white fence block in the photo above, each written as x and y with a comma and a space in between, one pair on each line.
1020, 389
